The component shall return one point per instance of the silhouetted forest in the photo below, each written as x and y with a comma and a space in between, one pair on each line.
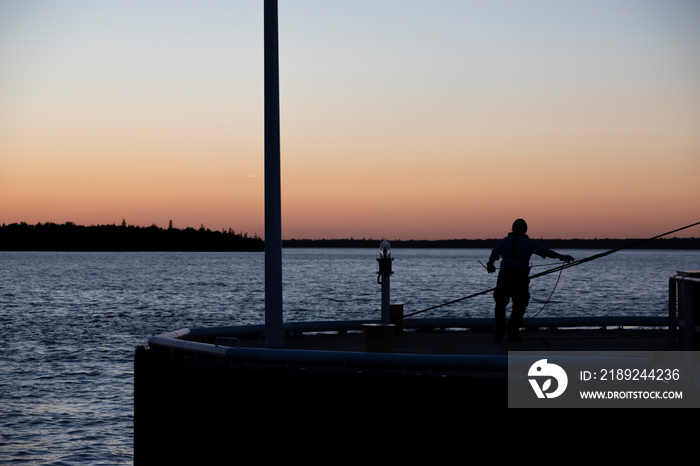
72, 237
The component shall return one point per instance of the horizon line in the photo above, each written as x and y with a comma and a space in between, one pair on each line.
364, 239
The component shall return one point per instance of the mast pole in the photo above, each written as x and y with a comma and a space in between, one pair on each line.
274, 329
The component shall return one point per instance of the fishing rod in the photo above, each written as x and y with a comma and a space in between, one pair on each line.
606, 253
561, 267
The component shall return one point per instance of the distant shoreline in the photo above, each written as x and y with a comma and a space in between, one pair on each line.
72, 237
607, 243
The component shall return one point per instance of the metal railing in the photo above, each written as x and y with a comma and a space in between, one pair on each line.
684, 311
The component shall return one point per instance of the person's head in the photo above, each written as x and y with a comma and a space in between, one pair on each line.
519, 226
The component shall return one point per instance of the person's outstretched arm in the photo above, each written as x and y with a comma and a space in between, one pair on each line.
562, 257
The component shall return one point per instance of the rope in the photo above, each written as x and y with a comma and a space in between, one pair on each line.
559, 269
547, 301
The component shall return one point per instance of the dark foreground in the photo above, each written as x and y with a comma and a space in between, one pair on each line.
190, 406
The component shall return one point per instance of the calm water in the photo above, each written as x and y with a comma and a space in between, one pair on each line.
69, 322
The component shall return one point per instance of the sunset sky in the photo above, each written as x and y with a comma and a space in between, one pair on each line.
401, 119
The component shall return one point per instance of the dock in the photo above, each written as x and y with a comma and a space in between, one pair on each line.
193, 386
196, 389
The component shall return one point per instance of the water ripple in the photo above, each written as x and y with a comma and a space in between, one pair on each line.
69, 322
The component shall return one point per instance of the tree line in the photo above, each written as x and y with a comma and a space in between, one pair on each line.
72, 237
598, 243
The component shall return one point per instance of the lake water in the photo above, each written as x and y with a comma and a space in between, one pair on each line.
70, 321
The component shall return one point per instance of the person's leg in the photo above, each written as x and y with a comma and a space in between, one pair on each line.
521, 299
500, 318
502, 296
516, 319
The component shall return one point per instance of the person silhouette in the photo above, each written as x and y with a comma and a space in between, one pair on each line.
513, 282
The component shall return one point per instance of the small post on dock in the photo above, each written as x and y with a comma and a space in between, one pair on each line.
379, 337
383, 278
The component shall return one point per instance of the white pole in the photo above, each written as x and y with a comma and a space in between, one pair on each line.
274, 329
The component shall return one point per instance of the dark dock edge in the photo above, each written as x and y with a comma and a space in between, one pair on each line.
190, 383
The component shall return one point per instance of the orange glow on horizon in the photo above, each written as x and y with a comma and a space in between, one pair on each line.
426, 126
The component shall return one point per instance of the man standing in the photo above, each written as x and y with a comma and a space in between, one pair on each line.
513, 281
